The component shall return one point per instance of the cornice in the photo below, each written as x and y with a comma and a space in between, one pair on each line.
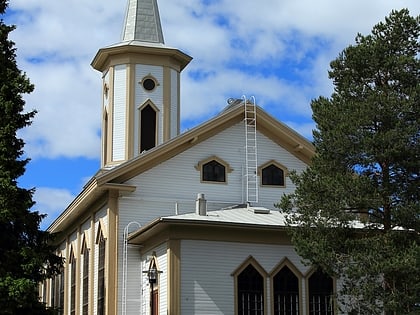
130, 50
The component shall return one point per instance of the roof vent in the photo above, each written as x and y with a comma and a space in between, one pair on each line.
201, 205
259, 210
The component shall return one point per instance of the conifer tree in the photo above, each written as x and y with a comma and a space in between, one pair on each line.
26, 258
357, 205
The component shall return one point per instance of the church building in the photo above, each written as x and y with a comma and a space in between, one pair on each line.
181, 223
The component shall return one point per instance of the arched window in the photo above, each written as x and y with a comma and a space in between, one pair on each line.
250, 291
72, 283
101, 275
214, 171
85, 278
147, 128
57, 291
320, 294
272, 175
286, 292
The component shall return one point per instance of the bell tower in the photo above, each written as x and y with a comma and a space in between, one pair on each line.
140, 85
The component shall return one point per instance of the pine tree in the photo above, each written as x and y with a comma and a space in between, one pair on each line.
26, 258
357, 205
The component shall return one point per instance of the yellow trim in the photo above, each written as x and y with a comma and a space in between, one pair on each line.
123, 54
250, 261
112, 260
129, 108
103, 228
178, 80
65, 276
174, 277
308, 274
269, 126
278, 165
151, 77
140, 108
199, 167
110, 117
151, 236
285, 262
92, 265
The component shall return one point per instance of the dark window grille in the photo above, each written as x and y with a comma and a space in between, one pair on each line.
85, 285
250, 292
58, 292
147, 128
321, 294
213, 171
101, 276
272, 175
72, 285
286, 292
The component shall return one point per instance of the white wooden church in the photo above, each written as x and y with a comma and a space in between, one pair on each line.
181, 223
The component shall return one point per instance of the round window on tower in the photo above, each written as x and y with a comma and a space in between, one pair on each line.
149, 84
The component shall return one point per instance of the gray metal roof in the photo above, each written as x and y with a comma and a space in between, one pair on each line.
252, 215
142, 22
257, 216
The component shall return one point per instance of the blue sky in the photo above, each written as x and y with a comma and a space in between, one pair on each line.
276, 50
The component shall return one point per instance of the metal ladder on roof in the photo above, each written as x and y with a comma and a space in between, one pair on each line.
251, 171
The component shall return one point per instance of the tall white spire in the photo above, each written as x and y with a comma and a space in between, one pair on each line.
142, 22
141, 86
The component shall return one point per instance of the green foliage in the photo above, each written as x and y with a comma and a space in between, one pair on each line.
357, 205
26, 257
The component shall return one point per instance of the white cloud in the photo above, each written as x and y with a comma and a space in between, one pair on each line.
277, 50
241, 47
51, 201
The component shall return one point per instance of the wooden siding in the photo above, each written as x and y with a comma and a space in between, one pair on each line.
141, 96
174, 104
207, 285
178, 180
119, 122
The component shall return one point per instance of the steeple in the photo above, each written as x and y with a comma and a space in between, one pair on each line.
142, 22
141, 86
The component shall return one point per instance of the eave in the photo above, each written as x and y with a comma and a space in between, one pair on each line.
269, 126
131, 50
80, 205
164, 229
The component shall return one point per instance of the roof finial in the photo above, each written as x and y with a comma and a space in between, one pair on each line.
142, 22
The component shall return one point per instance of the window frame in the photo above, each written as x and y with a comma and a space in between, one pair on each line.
250, 261
279, 166
286, 263
308, 292
73, 282
85, 264
200, 167
146, 78
142, 131
101, 284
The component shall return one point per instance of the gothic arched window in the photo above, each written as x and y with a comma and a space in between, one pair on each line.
321, 294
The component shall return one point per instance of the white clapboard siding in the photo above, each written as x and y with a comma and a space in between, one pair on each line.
177, 179
134, 278
119, 113
143, 290
207, 284
174, 103
141, 96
